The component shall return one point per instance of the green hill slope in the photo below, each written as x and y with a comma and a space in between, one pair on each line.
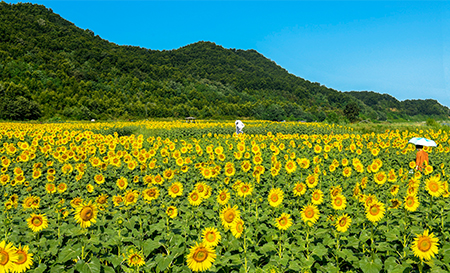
51, 68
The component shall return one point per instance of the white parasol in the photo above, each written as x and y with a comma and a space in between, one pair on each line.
422, 141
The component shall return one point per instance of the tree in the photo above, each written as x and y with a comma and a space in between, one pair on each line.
351, 111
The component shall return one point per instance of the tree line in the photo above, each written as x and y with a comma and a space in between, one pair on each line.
51, 68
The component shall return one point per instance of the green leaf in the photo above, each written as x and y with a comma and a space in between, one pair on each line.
319, 250
164, 262
369, 266
107, 269
114, 259
41, 268
293, 265
66, 254
269, 247
57, 268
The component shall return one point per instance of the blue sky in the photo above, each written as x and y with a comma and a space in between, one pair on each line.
401, 48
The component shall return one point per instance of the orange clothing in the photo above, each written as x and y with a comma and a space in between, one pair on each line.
421, 156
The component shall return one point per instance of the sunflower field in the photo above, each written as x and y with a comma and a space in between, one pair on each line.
182, 197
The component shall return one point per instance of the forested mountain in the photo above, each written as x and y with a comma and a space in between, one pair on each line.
51, 68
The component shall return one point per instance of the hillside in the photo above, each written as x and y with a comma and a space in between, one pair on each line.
51, 68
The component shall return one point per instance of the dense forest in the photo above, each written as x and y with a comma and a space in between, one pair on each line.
51, 69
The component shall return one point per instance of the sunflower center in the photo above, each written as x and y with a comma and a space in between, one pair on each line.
22, 257
210, 237
102, 200
200, 255
223, 196
309, 213
87, 213
175, 189
338, 202
239, 227
229, 216
343, 222
410, 202
434, 187
316, 196
130, 197
274, 197
374, 210
135, 259
245, 189
283, 221
4, 257
424, 244
194, 196
36, 221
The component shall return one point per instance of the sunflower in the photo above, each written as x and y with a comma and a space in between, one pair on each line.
237, 227
339, 202
380, 178
168, 174
27, 203
434, 186
62, 187
8, 257
299, 189
122, 183
312, 180
117, 200
275, 197
200, 188
291, 166
150, 194
369, 199
310, 214
411, 203
335, 190
200, 257
37, 222
172, 211
223, 197
228, 215
347, 171
50, 188
130, 197
135, 259
195, 198
317, 197
343, 223
176, 189
24, 259
90, 188
283, 222
375, 211
395, 204
211, 236
99, 179
245, 189
394, 189
425, 246
102, 200
86, 214
76, 202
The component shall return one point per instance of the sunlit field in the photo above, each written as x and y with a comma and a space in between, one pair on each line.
179, 197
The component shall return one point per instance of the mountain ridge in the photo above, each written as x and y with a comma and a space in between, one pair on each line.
52, 68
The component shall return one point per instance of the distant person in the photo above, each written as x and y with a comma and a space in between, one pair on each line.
239, 126
421, 157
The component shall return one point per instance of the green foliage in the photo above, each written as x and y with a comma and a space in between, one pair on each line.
60, 70
432, 123
351, 111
